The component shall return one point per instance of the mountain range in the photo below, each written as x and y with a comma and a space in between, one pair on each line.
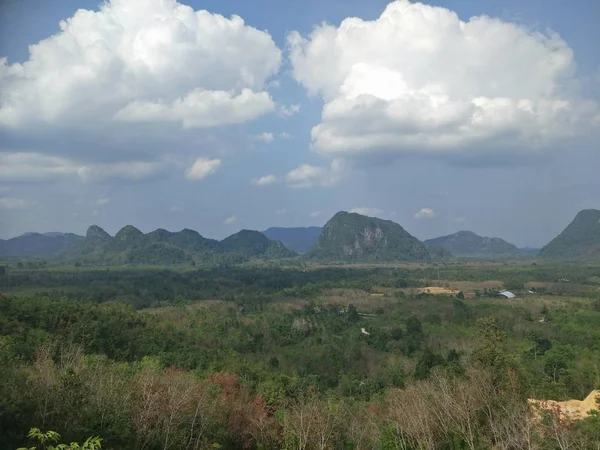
348, 237
467, 243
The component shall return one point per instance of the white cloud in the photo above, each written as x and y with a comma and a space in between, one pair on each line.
288, 111
366, 211
97, 213
285, 135
13, 203
202, 168
265, 137
279, 212
425, 213
142, 60
314, 214
418, 80
306, 175
264, 181
102, 201
38, 167
200, 109
230, 220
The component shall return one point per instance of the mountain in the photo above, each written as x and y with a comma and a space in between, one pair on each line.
162, 247
252, 244
49, 234
354, 237
298, 239
467, 243
37, 245
580, 240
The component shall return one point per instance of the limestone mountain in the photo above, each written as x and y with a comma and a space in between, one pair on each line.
354, 237
580, 240
163, 247
95, 233
298, 239
467, 243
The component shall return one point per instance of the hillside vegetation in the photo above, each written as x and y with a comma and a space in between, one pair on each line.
162, 247
580, 240
354, 237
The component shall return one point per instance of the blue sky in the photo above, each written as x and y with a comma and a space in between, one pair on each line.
415, 113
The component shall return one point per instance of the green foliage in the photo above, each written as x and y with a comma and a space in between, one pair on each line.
50, 441
353, 237
580, 240
284, 343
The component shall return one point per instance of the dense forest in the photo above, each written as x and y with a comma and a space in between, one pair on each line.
297, 358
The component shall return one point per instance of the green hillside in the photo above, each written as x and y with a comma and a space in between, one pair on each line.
580, 240
354, 237
254, 244
162, 247
467, 243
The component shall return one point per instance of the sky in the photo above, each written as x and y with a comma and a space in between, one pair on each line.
217, 116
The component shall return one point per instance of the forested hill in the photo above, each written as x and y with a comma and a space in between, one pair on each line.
467, 243
298, 239
162, 247
580, 240
354, 237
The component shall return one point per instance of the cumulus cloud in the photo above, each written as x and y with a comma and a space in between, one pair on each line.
306, 175
142, 60
366, 211
230, 220
265, 137
418, 80
288, 111
202, 168
264, 181
285, 135
314, 214
425, 213
200, 109
102, 201
131, 81
22, 166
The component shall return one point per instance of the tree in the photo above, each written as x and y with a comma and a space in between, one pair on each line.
49, 441
353, 315
490, 351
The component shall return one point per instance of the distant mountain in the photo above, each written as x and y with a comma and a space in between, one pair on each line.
467, 243
37, 245
298, 239
254, 243
354, 237
580, 240
49, 234
162, 247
